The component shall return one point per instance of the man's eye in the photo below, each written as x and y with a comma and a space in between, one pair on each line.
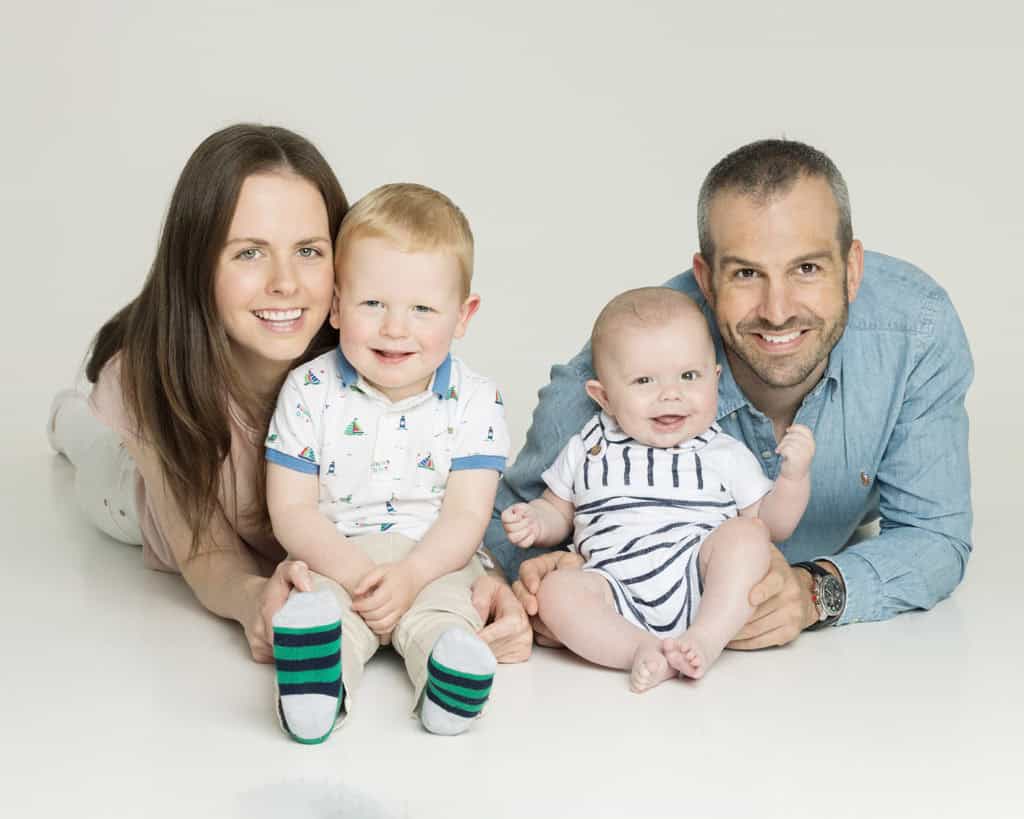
690, 375
809, 268
309, 252
248, 254
745, 273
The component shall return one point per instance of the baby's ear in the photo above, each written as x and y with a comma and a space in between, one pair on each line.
596, 391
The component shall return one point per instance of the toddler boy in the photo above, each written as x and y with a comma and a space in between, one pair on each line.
384, 457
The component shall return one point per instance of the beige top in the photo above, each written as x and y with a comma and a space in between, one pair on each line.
246, 446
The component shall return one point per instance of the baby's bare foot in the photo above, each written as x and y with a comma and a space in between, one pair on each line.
690, 653
649, 668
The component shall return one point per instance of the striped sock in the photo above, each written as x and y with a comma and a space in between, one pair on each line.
307, 653
459, 676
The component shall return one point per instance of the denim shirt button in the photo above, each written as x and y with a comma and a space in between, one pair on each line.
766, 454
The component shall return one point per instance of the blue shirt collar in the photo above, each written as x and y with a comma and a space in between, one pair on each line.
439, 383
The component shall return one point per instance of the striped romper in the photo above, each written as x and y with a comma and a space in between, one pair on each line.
643, 512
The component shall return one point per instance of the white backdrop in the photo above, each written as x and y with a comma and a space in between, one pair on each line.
574, 135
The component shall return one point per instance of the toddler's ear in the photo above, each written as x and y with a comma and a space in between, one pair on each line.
596, 391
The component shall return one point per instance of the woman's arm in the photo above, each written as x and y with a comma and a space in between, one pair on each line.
225, 575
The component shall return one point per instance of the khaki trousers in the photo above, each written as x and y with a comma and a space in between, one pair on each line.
444, 603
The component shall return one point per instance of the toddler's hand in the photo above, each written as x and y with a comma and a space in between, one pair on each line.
797, 450
383, 595
521, 524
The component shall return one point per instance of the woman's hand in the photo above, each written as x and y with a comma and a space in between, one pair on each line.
259, 630
506, 627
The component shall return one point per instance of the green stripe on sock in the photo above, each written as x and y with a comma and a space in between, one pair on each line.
463, 674
308, 630
462, 706
306, 652
480, 694
316, 675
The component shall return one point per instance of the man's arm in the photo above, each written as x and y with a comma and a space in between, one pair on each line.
924, 485
563, 408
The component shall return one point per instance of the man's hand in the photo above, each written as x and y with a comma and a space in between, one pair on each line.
383, 595
797, 450
522, 524
289, 574
507, 629
531, 572
783, 607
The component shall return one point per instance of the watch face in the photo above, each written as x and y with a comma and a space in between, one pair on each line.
831, 596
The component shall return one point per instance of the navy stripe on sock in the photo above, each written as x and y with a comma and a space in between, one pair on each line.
462, 682
462, 697
449, 708
309, 664
314, 639
329, 689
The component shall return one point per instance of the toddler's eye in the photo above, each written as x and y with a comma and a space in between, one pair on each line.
371, 303
422, 308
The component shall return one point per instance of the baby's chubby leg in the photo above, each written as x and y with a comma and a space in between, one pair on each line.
579, 609
732, 560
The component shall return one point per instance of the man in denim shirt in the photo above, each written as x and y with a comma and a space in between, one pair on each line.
864, 349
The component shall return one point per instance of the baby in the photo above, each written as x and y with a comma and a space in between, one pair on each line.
384, 457
673, 518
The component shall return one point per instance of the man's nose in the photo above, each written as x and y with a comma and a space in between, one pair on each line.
777, 302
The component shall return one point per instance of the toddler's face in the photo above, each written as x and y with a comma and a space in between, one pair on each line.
397, 313
660, 383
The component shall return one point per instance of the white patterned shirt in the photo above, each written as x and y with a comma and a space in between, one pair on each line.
383, 465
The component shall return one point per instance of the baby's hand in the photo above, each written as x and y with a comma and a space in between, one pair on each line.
385, 594
521, 524
797, 450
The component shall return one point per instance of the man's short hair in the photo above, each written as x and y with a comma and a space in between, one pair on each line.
766, 169
413, 217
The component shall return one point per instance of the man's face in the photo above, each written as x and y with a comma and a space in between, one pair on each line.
780, 287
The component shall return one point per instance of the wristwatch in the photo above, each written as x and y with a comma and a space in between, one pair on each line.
828, 593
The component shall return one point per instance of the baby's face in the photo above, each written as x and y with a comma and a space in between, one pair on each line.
397, 313
660, 382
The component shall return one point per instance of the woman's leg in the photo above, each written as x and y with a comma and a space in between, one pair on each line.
105, 474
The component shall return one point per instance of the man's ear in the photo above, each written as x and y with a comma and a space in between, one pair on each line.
596, 391
854, 268
702, 273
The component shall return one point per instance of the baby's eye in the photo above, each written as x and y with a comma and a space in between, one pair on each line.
642, 380
309, 252
690, 375
248, 254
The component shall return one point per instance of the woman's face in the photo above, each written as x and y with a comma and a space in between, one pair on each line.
275, 277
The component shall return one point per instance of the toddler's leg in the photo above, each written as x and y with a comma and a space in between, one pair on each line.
732, 560
451, 668
320, 648
105, 475
579, 608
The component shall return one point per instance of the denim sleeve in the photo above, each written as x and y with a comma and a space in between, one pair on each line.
563, 408
924, 484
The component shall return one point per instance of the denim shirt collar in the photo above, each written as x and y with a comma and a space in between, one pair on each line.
732, 398
438, 385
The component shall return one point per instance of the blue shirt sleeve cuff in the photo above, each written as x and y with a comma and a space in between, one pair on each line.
495, 462
862, 587
291, 462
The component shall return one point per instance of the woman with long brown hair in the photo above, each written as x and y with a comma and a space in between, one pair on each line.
168, 445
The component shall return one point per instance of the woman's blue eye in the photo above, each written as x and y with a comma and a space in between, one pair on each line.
248, 254
309, 252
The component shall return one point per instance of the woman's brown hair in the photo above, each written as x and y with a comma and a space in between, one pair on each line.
178, 379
